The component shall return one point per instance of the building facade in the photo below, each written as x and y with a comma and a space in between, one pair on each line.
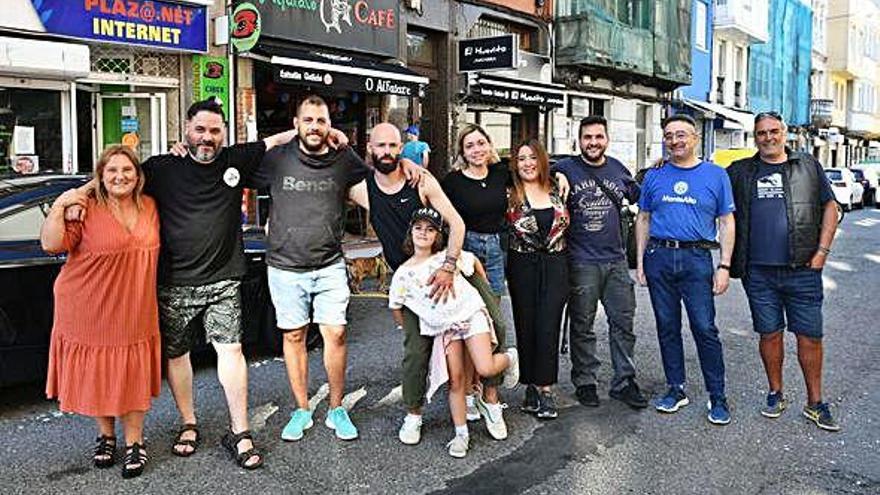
779, 70
739, 26
854, 62
694, 98
622, 60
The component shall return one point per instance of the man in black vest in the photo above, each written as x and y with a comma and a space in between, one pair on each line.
391, 201
785, 222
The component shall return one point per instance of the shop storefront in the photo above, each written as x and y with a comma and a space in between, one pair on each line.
508, 90
38, 106
340, 54
125, 88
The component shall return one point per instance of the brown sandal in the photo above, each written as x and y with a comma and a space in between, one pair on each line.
180, 442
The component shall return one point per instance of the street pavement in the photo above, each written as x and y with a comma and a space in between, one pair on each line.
606, 450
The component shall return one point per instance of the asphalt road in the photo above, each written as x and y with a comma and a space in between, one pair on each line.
608, 450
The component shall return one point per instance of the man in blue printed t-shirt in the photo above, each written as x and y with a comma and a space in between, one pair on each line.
785, 222
598, 270
414, 149
675, 230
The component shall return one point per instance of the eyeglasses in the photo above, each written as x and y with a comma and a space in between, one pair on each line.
677, 136
768, 115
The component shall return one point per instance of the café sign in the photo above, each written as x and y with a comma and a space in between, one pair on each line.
485, 54
370, 26
152, 23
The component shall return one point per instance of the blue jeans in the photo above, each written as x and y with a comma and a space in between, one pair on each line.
487, 248
676, 275
780, 294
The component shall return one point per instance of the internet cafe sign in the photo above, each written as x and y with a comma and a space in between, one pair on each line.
370, 26
492, 53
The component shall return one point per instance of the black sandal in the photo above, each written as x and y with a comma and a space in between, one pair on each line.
231, 440
180, 442
136, 455
105, 451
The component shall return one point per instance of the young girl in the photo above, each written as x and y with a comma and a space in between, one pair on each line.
458, 323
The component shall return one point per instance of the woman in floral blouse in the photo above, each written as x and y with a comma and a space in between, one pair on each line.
537, 273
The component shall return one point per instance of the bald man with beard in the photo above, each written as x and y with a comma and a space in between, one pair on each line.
391, 201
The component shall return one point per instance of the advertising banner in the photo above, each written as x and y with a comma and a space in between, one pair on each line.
211, 78
152, 23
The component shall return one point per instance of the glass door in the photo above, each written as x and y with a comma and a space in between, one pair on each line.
137, 120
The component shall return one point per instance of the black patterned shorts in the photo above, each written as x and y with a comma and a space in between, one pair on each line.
217, 304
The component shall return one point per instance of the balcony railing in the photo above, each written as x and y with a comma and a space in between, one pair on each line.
588, 39
719, 90
821, 112
749, 17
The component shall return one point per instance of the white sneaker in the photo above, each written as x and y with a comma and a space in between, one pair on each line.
511, 374
494, 415
411, 430
458, 446
473, 414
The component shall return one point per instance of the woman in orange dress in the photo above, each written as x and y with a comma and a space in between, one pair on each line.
105, 357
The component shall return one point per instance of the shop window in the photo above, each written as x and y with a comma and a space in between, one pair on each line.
419, 49
37, 115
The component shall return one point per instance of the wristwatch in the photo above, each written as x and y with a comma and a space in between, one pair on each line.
722, 266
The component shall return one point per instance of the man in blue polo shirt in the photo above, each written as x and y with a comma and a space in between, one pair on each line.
675, 230
785, 222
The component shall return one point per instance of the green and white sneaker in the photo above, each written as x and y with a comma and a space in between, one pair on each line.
821, 415
494, 416
338, 420
776, 405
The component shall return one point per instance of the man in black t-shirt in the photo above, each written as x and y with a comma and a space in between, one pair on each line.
786, 217
201, 264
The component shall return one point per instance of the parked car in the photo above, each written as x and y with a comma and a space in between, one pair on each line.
847, 190
871, 170
27, 276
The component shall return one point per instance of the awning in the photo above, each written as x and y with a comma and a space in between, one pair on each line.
741, 120
515, 92
349, 73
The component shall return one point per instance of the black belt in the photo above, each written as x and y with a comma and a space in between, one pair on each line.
673, 244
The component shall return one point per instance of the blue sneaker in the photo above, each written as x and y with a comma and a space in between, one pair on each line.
719, 413
674, 400
300, 421
338, 420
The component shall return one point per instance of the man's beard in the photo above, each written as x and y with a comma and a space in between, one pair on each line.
386, 167
586, 156
314, 147
201, 155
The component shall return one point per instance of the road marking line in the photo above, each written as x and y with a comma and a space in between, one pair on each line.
320, 395
867, 222
840, 265
352, 398
260, 414
872, 257
828, 283
393, 397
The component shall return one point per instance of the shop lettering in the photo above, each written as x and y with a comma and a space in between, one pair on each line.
479, 50
364, 14
134, 31
294, 4
386, 86
141, 11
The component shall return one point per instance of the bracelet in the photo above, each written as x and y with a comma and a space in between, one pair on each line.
451, 259
722, 266
824, 250
448, 267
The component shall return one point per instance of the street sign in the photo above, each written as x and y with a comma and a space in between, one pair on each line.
485, 54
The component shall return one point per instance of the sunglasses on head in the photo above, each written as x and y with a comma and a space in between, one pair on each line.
765, 115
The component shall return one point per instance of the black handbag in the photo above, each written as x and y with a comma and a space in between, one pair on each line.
627, 222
